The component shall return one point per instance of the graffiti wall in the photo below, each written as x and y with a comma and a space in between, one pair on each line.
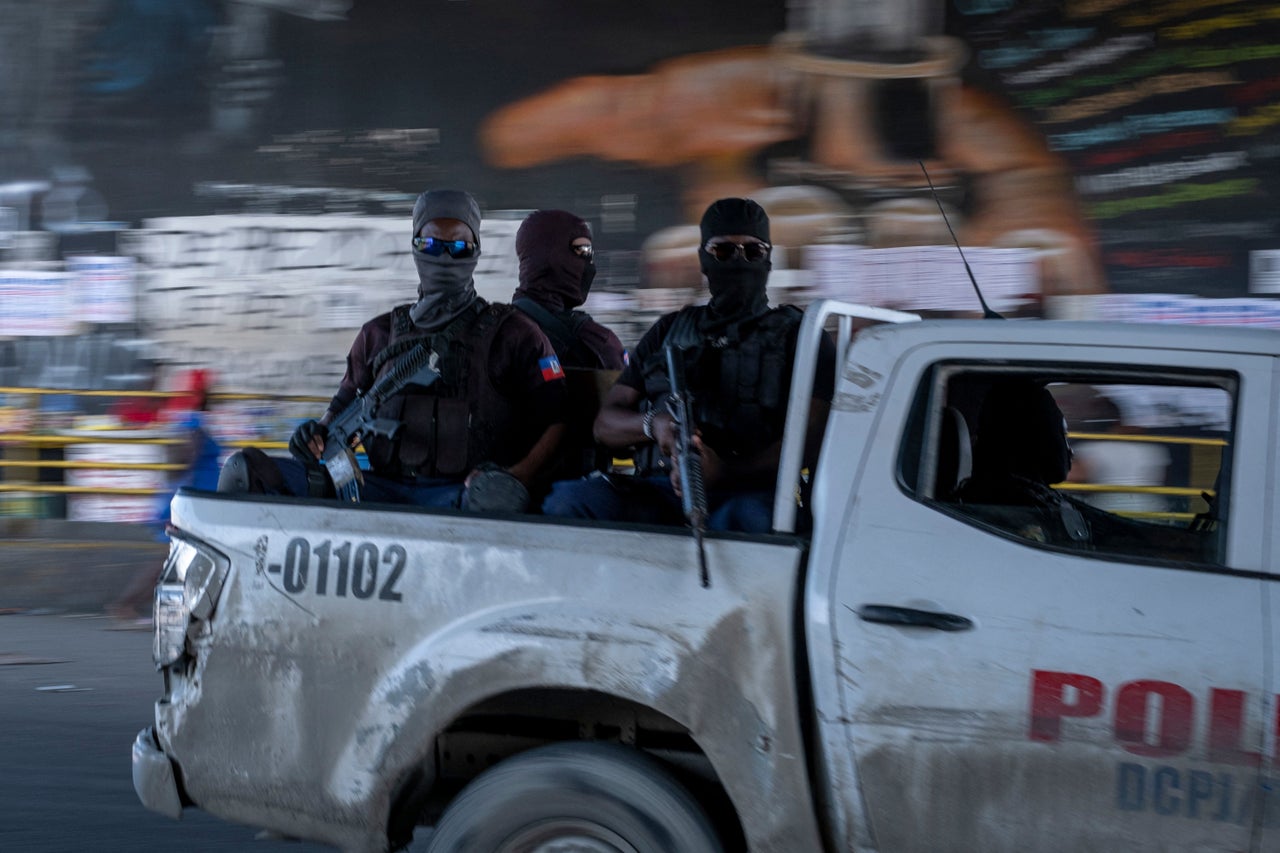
258, 158
1168, 116
274, 300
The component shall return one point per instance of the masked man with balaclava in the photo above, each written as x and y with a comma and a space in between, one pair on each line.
738, 354
557, 267
477, 437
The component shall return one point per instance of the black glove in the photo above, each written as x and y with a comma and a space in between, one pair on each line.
302, 437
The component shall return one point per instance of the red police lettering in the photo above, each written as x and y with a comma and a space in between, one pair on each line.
1275, 758
1133, 706
1226, 729
1150, 718
1050, 703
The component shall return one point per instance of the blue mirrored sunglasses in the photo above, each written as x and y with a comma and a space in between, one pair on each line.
435, 246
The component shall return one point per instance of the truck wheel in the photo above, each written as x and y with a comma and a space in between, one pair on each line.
576, 798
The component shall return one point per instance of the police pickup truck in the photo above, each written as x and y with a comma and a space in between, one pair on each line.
907, 670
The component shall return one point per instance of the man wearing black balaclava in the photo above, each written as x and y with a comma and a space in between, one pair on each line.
478, 437
557, 266
738, 354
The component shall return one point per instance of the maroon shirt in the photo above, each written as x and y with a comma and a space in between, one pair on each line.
516, 365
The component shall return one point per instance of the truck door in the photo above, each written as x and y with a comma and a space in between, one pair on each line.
1012, 675
1269, 819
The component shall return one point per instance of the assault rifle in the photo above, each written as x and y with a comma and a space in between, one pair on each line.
360, 418
693, 493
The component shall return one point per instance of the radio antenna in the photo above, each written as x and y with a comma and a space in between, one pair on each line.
987, 313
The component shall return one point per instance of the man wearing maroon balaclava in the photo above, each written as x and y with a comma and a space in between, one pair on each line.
557, 266
738, 354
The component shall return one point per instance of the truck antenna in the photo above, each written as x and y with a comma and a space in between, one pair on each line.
987, 313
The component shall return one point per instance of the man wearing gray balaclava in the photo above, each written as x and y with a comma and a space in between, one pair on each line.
482, 434
446, 283
737, 354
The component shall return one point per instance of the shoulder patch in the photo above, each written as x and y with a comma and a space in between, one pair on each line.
551, 368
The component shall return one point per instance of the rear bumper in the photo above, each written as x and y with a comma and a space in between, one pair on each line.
154, 778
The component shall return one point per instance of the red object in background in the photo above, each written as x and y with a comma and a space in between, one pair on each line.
136, 411
192, 391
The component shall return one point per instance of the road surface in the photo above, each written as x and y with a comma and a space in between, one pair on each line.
73, 694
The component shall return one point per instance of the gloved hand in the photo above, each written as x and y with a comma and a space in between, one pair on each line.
302, 436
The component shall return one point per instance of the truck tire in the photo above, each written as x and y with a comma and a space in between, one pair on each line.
580, 797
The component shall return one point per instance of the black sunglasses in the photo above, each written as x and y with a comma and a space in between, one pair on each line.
436, 247
725, 251
583, 251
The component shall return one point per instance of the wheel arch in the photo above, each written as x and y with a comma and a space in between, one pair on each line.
725, 683
517, 720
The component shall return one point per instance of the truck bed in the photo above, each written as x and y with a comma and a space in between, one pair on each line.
350, 646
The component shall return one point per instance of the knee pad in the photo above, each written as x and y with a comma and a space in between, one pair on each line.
495, 490
250, 471
234, 476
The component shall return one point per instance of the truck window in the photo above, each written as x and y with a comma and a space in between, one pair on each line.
1106, 461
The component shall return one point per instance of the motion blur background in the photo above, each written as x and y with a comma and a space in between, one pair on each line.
226, 184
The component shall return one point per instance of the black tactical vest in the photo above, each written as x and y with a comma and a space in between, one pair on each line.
739, 379
578, 454
459, 421
562, 330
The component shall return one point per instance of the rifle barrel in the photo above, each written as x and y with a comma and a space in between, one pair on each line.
693, 491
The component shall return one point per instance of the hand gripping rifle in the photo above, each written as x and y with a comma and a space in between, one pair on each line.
359, 418
693, 493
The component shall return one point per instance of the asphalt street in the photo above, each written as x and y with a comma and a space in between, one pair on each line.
73, 695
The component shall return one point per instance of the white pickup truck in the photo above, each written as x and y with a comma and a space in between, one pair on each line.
913, 673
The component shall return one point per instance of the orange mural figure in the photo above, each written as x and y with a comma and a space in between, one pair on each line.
851, 173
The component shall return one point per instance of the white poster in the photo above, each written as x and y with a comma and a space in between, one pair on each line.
104, 287
272, 302
36, 303
1264, 271
925, 278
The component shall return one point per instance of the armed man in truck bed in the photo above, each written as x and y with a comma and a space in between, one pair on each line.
557, 266
738, 354
473, 425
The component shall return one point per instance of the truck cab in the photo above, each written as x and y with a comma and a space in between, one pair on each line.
982, 679
919, 671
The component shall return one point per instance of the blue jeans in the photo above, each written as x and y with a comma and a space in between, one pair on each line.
376, 489
651, 500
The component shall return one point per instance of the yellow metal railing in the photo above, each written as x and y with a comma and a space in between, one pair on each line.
25, 442
1147, 439
1192, 492
169, 395
28, 440
40, 440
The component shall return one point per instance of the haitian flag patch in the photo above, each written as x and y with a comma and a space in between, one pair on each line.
551, 368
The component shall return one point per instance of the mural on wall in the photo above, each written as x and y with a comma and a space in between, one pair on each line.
1168, 114
1079, 146
829, 126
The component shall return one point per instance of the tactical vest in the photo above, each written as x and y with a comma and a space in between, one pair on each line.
562, 330
459, 421
739, 380
578, 453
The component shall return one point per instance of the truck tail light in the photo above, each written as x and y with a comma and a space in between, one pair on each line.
186, 594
